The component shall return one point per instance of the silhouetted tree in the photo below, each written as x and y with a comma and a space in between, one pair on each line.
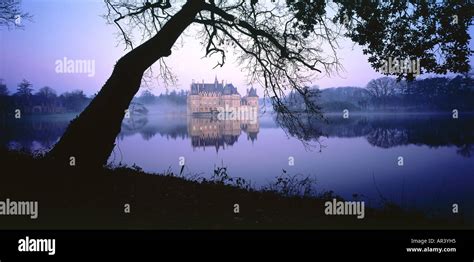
46, 93
382, 87
279, 45
435, 32
47, 97
24, 89
3, 89
4, 99
74, 101
147, 97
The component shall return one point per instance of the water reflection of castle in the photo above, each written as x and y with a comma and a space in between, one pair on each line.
210, 132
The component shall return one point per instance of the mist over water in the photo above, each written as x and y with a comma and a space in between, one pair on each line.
350, 156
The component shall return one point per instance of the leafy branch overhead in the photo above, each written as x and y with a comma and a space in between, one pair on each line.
283, 45
11, 14
435, 32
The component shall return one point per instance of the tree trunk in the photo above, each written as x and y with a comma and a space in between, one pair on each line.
90, 138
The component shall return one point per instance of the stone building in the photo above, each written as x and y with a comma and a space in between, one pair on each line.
209, 97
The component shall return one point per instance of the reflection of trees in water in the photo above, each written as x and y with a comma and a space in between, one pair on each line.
388, 131
466, 150
304, 127
134, 123
433, 131
22, 133
387, 138
141, 125
167, 127
384, 131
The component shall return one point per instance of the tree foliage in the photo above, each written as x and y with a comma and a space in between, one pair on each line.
435, 32
283, 45
3, 89
24, 89
46, 93
11, 14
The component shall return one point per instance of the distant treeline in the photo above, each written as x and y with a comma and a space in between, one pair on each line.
45, 100
169, 98
386, 94
382, 94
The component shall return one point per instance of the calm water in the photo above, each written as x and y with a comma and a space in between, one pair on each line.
358, 155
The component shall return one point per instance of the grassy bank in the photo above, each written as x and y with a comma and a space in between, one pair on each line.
74, 198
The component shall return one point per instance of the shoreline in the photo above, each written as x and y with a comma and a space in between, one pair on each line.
74, 198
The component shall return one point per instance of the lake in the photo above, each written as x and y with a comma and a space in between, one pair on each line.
359, 155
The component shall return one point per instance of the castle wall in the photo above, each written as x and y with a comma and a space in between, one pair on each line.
205, 102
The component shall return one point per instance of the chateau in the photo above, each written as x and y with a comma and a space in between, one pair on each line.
209, 97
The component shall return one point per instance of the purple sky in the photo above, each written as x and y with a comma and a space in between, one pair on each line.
76, 30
